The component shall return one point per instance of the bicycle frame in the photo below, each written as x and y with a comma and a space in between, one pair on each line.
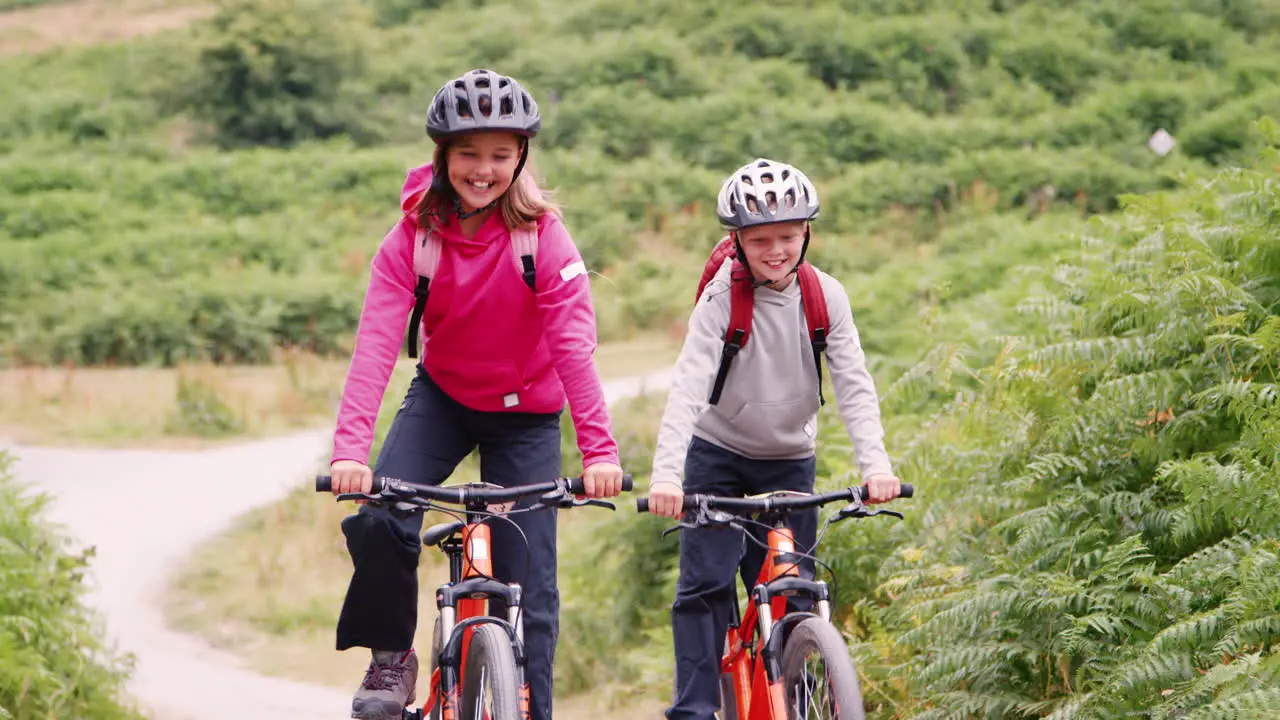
751, 683
463, 604
751, 676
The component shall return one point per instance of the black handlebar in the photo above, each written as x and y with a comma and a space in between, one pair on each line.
468, 494
766, 504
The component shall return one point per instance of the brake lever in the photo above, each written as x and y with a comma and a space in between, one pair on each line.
678, 526
562, 499
858, 510
361, 496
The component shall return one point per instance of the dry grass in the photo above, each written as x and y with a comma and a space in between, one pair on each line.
87, 22
114, 407
134, 406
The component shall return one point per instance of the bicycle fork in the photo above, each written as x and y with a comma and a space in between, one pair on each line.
751, 670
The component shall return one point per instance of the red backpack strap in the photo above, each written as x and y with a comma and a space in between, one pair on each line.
742, 294
815, 316
724, 249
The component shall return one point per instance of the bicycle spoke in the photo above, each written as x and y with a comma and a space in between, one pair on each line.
812, 695
482, 707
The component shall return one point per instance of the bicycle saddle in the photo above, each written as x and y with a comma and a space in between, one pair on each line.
439, 533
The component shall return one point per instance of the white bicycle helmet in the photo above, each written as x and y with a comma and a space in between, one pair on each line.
763, 192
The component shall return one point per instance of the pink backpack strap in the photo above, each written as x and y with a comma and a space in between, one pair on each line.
427, 248
426, 254
524, 241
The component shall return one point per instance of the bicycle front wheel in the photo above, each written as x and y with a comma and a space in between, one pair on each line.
818, 676
490, 679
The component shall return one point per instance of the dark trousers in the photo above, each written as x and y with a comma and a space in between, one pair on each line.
430, 435
709, 559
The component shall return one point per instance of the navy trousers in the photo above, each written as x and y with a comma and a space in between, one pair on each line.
710, 558
429, 436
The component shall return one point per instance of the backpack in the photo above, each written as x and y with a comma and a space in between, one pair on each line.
426, 260
742, 303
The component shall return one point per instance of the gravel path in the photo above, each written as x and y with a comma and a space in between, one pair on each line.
145, 511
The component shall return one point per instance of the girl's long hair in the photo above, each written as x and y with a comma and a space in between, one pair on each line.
521, 205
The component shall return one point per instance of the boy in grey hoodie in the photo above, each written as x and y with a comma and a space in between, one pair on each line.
760, 435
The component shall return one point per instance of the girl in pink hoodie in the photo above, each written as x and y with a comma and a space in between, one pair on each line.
508, 334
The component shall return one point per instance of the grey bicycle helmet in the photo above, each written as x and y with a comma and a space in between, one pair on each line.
482, 100
763, 192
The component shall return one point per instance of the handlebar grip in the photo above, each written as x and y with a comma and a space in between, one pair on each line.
577, 485
642, 504
324, 484
906, 491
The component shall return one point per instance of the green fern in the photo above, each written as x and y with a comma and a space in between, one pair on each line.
1114, 551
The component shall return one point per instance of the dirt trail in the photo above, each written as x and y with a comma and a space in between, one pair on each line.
87, 22
144, 511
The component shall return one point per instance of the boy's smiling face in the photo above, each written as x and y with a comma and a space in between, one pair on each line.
773, 250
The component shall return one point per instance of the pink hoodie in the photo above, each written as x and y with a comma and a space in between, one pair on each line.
490, 335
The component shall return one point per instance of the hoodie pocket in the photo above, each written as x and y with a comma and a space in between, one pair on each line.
778, 426
480, 377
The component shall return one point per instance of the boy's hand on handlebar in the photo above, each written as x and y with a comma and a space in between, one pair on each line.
350, 476
602, 479
882, 488
666, 499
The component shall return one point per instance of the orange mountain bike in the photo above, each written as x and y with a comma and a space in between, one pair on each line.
477, 660
766, 673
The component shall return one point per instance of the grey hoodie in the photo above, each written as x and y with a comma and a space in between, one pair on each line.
769, 406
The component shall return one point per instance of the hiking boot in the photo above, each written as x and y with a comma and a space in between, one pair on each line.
388, 686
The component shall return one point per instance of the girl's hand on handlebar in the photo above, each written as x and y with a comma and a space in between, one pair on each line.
350, 476
602, 479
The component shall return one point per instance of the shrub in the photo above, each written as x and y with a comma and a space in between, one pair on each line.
53, 661
272, 73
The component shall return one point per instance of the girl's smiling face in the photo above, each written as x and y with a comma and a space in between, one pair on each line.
481, 167
773, 250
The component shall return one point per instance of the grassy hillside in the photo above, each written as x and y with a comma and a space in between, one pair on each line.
253, 207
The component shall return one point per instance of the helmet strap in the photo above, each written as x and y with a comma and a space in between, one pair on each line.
803, 249
463, 214
524, 157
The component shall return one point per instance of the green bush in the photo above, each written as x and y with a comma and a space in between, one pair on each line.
1111, 549
274, 73
53, 661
